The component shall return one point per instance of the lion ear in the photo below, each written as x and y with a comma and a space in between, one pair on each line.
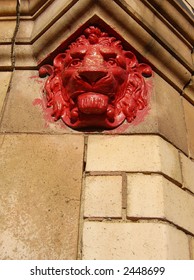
59, 60
145, 70
131, 59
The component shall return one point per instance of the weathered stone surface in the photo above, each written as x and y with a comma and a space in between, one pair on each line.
40, 196
103, 196
25, 110
5, 57
189, 118
192, 248
133, 153
7, 28
24, 56
153, 196
170, 114
4, 82
188, 172
133, 241
188, 91
145, 196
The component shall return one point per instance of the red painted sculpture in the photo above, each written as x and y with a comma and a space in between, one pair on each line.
95, 83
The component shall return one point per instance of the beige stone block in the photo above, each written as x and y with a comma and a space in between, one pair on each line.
103, 196
145, 196
188, 91
24, 56
133, 241
4, 82
189, 118
7, 28
25, 31
153, 196
26, 106
188, 172
8, 8
40, 196
5, 57
192, 248
170, 114
32, 7
190, 5
133, 153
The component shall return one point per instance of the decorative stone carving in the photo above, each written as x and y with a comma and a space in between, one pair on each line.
96, 83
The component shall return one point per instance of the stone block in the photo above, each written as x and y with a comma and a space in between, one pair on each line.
133, 241
103, 196
192, 248
24, 31
133, 153
24, 56
153, 196
189, 118
188, 91
26, 106
5, 57
145, 196
7, 28
171, 123
40, 196
188, 172
4, 82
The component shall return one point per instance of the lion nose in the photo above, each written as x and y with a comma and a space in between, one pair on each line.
92, 76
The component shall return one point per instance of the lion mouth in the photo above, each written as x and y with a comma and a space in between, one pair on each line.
92, 103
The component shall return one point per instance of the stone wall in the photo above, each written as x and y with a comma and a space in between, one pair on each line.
120, 194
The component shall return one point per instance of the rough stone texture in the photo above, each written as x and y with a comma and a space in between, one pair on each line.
24, 56
192, 248
25, 112
5, 57
133, 153
4, 82
153, 196
189, 118
133, 241
40, 196
188, 91
7, 28
103, 196
145, 196
189, 4
157, 25
170, 113
24, 30
188, 172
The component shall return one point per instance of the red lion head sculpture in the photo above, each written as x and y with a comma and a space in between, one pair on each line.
95, 83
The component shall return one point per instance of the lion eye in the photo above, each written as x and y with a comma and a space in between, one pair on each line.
75, 62
112, 61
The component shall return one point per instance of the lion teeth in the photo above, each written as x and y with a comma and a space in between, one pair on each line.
92, 104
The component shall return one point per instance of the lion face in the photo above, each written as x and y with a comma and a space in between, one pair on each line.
95, 83
93, 79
